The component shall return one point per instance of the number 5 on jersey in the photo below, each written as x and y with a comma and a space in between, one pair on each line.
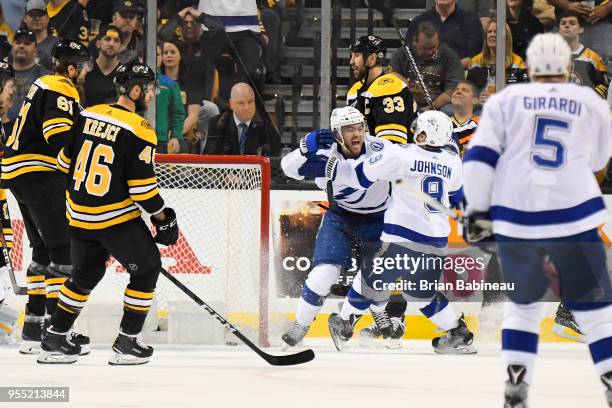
95, 172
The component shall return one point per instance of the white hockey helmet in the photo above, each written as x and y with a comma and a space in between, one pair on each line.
343, 117
437, 127
548, 55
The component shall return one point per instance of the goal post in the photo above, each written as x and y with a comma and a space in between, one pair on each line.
249, 173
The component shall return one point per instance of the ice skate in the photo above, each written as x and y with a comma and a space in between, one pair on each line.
31, 335
606, 379
369, 336
455, 341
295, 335
565, 325
516, 389
58, 348
81, 340
341, 330
130, 350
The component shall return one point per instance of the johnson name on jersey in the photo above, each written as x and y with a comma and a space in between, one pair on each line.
41, 129
388, 106
359, 200
436, 172
544, 137
110, 169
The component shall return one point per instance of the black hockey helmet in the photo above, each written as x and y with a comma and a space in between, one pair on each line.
69, 52
133, 73
369, 44
6, 72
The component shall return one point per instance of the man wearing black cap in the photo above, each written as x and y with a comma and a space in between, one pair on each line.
99, 82
27, 70
125, 18
68, 19
37, 21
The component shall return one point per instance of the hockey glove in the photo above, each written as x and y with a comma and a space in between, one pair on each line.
331, 168
315, 140
478, 231
313, 167
167, 230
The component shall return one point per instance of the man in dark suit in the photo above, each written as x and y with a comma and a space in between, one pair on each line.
235, 130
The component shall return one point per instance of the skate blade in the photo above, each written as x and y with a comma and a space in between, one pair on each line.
124, 359
47, 357
567, 333
288, 347
369, 342
464, 349
85, 350
29, 347
393, 344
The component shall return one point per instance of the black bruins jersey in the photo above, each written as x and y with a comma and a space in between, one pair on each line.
463, 132
41, 130
588, 69
110, 169
69, 20
387, 106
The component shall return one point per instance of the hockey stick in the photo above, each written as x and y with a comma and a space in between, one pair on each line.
291, 359
19, 290
432, 202
413, 64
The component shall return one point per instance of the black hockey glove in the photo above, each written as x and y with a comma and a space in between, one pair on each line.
478, 231
167, 230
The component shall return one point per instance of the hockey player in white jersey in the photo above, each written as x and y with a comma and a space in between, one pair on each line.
530, 169
411, 230
355, 215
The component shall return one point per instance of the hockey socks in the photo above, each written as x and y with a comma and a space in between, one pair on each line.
355, 304
35, 278
597, 325
309, 305
71, 299
441, 313
136, 305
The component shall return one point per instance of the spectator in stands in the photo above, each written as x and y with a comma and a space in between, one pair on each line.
68, 19
438, 63
464, 100
597, 33
241, 39
169, 113
235, 130
523, 25
125, 17
6, 33
484, 9
545, 12
486, 59
99, 82
587, 66
37, 21
271, 16
172, 67
26, 69
12, 13
6, 102
460, 29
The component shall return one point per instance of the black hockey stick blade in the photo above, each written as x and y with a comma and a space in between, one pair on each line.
284, 360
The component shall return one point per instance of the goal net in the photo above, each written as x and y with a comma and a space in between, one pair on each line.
222, 205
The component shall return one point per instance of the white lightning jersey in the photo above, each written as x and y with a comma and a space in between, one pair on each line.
355, 199
408, 219
532, 159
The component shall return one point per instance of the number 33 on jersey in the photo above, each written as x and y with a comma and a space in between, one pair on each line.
110, 168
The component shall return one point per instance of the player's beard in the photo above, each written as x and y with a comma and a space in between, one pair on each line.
360, 72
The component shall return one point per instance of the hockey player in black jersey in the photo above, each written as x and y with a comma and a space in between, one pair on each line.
383, 98
110, 169
29, 170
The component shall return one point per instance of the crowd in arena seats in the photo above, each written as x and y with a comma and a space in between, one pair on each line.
216, 57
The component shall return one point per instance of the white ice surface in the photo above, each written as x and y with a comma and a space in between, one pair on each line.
227, 377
